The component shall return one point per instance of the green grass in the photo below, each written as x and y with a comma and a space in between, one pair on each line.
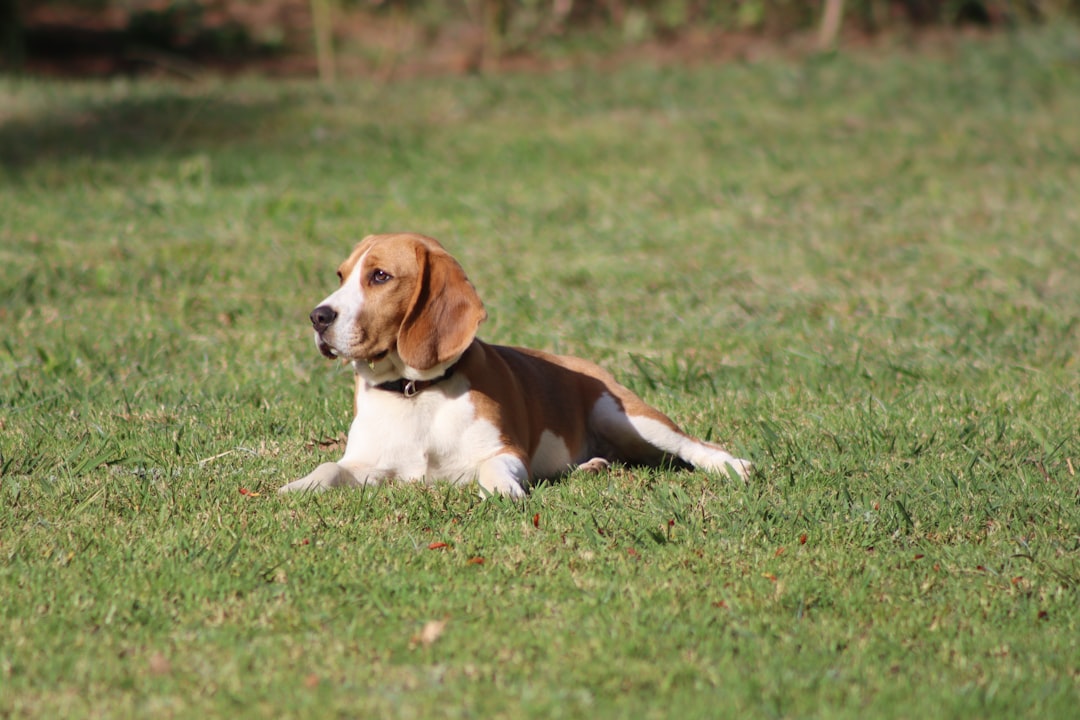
863, 272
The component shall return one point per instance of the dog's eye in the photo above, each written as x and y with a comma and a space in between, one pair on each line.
378, 277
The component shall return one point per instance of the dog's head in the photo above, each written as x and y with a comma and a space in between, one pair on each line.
404, 309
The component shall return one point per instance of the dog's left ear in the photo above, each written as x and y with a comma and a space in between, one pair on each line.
443, 315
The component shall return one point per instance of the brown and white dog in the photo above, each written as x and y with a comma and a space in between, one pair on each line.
434, 402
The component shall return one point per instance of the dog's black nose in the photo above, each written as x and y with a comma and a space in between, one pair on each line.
322, 317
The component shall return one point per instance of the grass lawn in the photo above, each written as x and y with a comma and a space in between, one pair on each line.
862, 272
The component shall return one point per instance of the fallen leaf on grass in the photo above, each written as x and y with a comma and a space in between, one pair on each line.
249, 493
437, 546
536, 520
311, 681
475, 561
432, 631
159, 664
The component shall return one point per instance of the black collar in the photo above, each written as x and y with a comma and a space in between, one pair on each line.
409, 388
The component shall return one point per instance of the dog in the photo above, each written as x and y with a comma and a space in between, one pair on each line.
434, 402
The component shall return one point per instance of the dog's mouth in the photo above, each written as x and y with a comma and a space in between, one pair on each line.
324, 347
331, 352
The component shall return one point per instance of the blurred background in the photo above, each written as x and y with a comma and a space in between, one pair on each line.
389, 38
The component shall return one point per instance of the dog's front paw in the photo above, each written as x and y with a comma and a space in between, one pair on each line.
503, 474
506, 487
326, 476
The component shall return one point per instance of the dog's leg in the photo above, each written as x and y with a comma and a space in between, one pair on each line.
648, 436
503, 474
326, 476
702, 455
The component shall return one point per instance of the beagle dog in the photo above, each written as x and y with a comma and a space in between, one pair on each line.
434, 402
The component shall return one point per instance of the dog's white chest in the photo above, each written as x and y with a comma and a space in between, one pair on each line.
433, 435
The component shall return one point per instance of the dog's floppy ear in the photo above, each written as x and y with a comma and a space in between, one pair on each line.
443, 315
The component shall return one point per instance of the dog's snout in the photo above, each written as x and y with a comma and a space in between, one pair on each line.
322, 317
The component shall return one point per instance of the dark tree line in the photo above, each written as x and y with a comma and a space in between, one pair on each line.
191, 27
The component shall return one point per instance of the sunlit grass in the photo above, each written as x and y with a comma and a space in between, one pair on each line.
861, 272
